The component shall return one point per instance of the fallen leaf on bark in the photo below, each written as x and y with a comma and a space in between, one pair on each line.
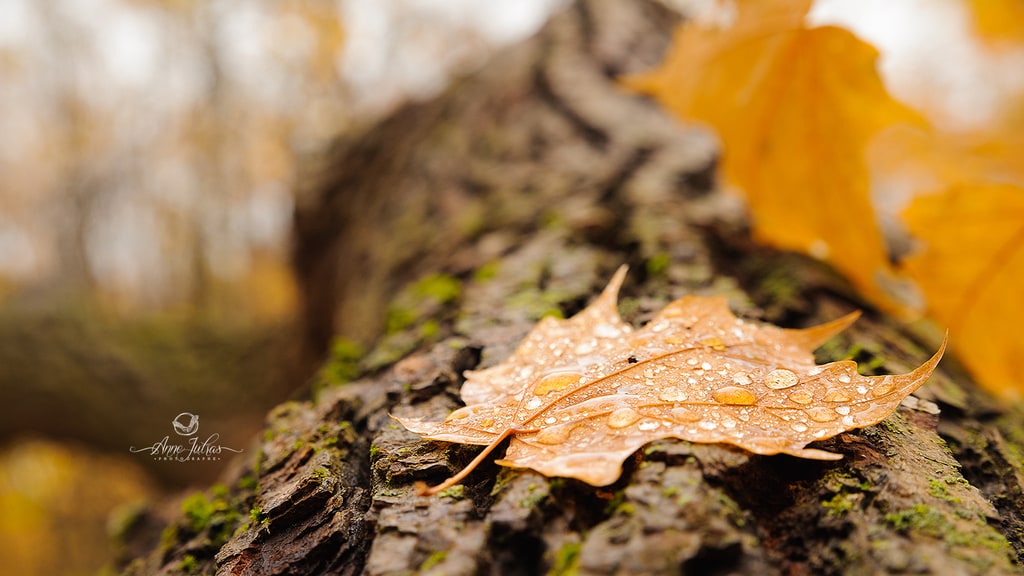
580, 395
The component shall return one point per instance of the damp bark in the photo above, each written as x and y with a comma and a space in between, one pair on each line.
431, 242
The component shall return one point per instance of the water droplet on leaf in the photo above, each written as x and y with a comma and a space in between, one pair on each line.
622, 417
734, 395
554, 434
801, 397
781, 378
672, 395
685, 415
821, 414
882, 389
837, 396
556, 381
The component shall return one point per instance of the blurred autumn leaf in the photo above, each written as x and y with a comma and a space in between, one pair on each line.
998, 20
971, 271
967, 229
795, 108
809, 131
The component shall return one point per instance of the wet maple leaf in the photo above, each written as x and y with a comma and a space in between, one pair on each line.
579, 396
971, 270
795, 108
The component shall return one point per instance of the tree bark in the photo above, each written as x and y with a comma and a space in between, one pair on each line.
437, 237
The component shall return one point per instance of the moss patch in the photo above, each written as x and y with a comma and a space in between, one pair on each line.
567, 560
210, 514
457, 492
433, 560
840, 504
198, 511
188, 564
487, 272
926, 520
440, 287
657, 264
343, 364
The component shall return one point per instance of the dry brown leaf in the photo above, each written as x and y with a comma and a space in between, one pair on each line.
580, 395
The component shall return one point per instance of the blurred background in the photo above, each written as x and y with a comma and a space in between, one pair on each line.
148, 154
148, 150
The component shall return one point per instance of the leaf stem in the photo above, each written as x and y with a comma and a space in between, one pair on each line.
423, 490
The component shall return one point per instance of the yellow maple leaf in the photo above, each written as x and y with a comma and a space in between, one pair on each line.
971, 270
969, 265
795, 108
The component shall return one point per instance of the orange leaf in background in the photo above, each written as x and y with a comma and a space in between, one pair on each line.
795, 109
580, 395
999, 20
971, 270
969, 266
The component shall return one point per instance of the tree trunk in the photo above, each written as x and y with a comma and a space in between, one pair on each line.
437, 237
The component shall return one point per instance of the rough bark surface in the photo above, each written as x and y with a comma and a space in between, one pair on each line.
440, 235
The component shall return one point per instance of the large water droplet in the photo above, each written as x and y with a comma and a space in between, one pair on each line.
459, 414
882, 389
741, 378
844, 378
586, 347
821, 414
781, 378
715, 344
837, 396
801, 397
798, 426
622, 417
556, 381
555, 434
672, 394
844, 410
685, 415
707, 425
533, 404
734, 395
